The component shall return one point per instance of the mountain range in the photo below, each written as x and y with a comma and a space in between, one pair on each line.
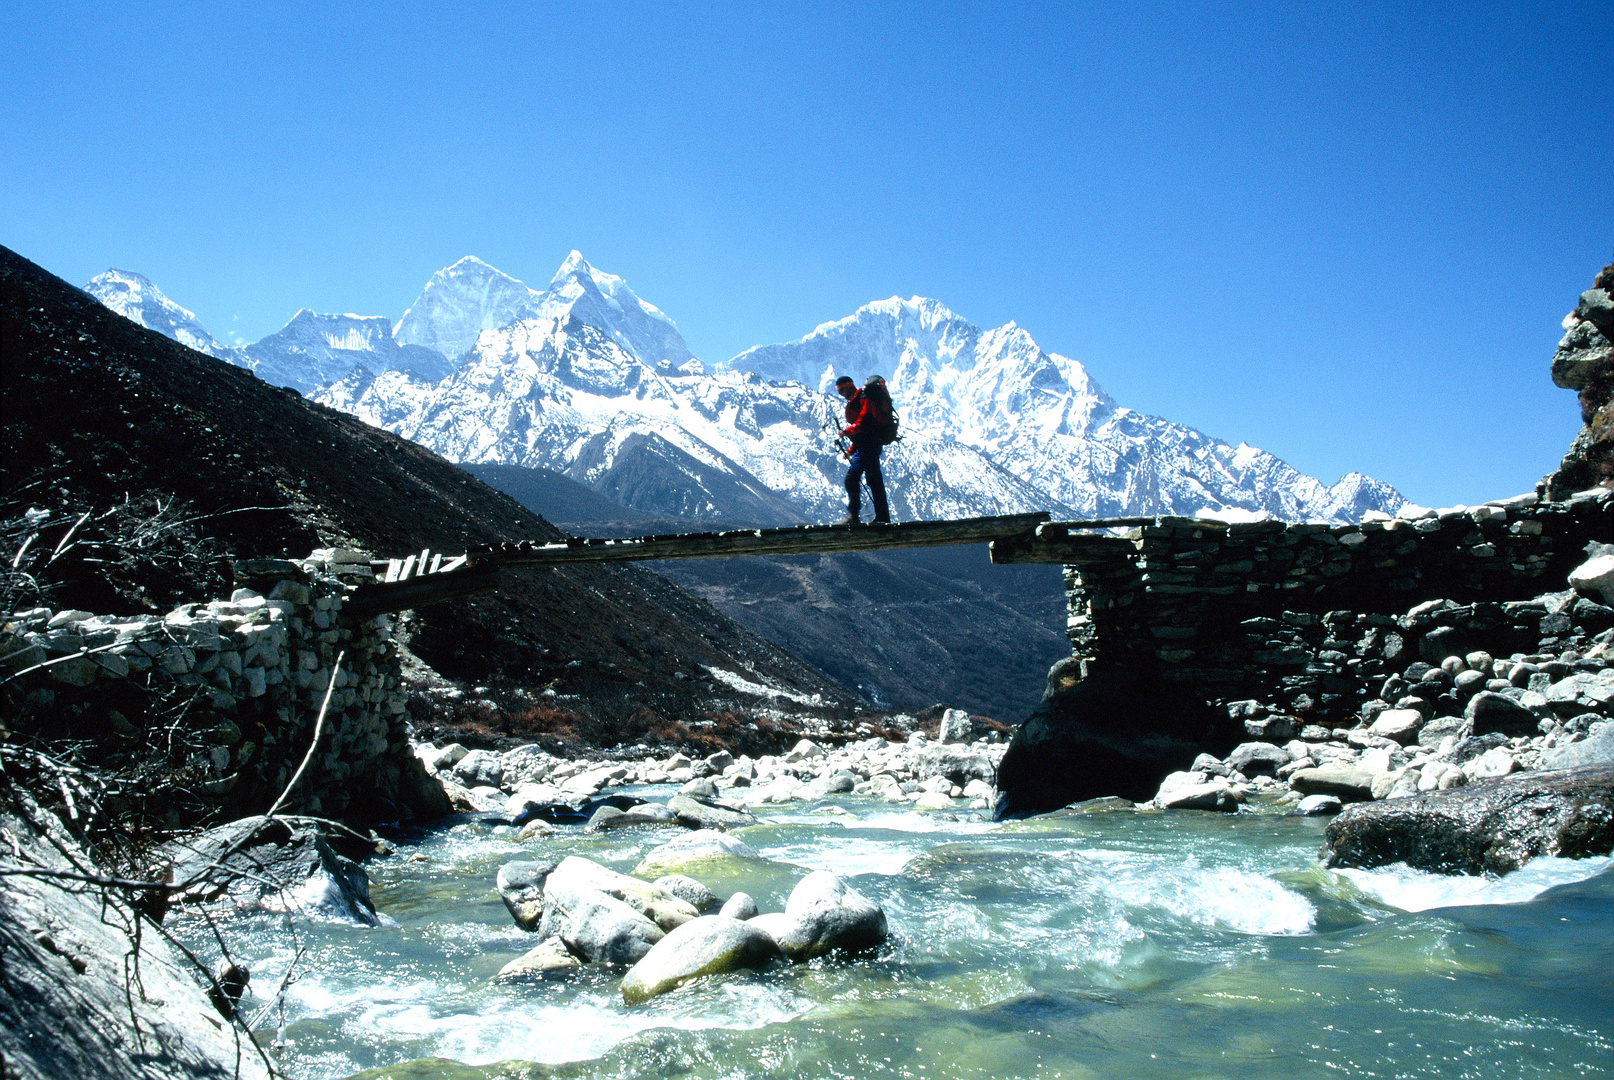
586, 379
584, 403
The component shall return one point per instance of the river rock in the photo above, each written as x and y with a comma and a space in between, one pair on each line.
1317, 805
1258, 758
437, 758
688, 890
278, 865
1435, 731
693, 849
479, 768
1597, 748
709, 945
956, 727
607, 817
1349, 785
659, 906
740, 906
1401, 725
1492, 763
91, 990
699, 788
1489, 712
599, 928
699, 814
959, 763
1493, 826
1194, 791
521, 887
547, 960
1110, 734
825, 914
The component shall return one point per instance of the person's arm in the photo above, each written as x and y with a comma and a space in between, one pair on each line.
862, 404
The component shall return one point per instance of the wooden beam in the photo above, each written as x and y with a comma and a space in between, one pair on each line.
370, 600
795, 540
1077, 550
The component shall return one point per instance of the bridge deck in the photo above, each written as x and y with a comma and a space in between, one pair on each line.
428, 577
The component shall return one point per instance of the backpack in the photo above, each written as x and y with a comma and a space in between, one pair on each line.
875, 390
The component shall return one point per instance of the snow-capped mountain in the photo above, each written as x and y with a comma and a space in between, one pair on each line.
587, 379
311, 350
315, 349
461, 301
135, 298
1044, 420
599, 385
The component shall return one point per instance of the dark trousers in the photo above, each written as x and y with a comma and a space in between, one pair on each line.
865, 462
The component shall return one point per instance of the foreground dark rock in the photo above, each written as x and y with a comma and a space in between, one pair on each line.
276, 863
67, 1006
1488, 827
1110, 734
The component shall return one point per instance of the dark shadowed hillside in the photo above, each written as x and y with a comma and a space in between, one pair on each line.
104, 415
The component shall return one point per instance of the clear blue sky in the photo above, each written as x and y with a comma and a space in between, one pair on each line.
1343, 232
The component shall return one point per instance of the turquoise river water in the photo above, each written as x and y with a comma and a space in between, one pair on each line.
1098, 942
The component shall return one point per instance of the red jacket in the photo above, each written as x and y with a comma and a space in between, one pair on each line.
862, 417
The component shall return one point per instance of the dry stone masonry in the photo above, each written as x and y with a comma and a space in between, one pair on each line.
245, 679
1311, 620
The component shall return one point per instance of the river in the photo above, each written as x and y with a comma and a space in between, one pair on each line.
1097, 942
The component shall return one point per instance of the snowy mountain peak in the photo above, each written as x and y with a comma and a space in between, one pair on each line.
461, 301
137, 299
604, 301
316, 348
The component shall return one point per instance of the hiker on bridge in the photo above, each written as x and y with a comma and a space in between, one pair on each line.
870, 425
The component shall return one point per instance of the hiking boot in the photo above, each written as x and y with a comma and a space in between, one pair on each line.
849, 519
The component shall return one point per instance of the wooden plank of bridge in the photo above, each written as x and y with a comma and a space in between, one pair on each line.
1014, 538
1068, 542
797, 540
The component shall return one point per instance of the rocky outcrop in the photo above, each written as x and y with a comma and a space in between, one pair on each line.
1584, 362
1494, 826
1110, 734
67, 1005
276, 864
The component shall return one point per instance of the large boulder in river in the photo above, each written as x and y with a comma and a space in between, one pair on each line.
709, 945
1113, 733
598, 928
696, 813
1491, 826
656, 904
693, 851
279, 865
521, 887
825, 914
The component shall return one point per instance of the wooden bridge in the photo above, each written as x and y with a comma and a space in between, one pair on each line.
427, 577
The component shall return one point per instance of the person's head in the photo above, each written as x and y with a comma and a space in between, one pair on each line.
846, 387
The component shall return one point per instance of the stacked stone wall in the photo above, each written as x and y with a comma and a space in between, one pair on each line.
239, 684
1314, 618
